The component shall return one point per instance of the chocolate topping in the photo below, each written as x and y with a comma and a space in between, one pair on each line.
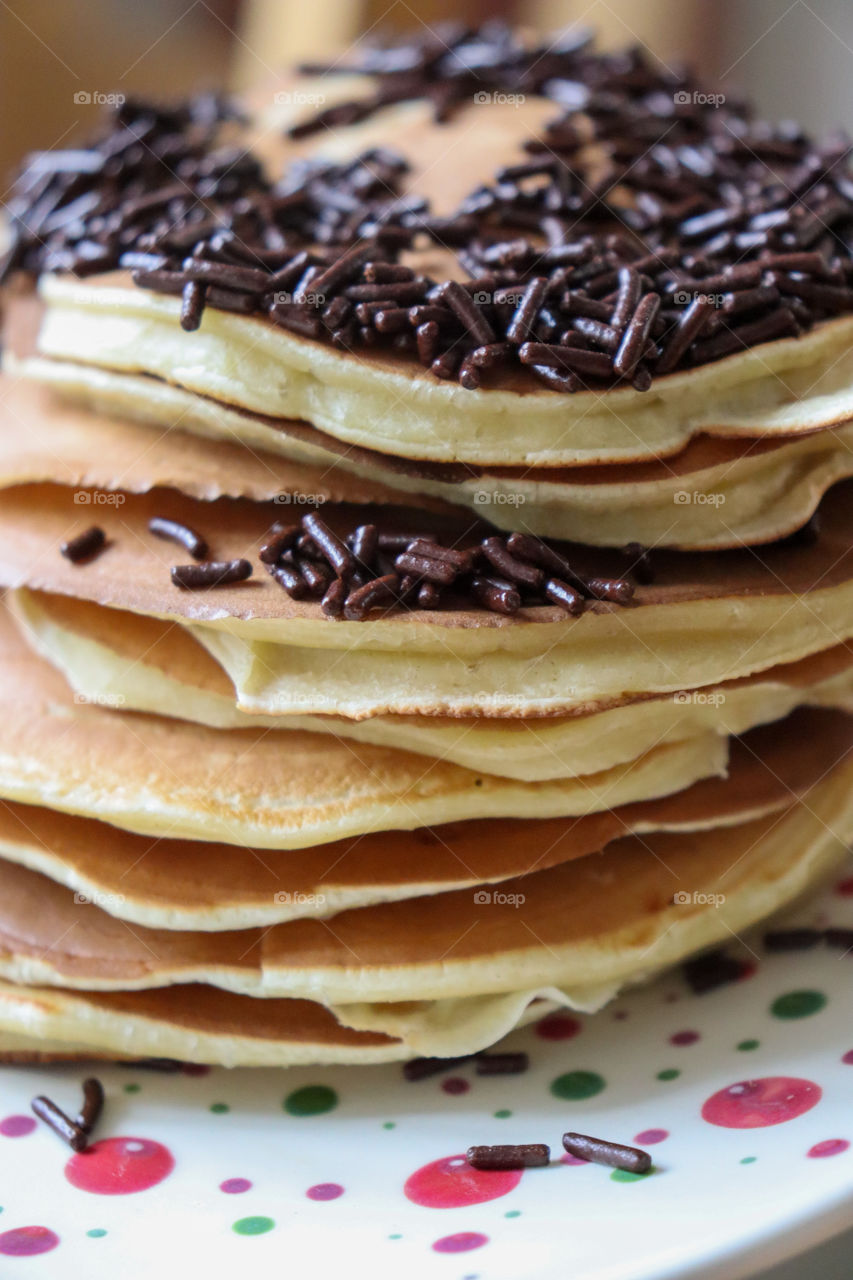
652, 227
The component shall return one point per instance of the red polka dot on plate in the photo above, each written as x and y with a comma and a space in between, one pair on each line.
848, 1058
461, 1242
755, 1104
684, 1037
649, 1137
558, 1026
325, 1191
845, 887
829, 1147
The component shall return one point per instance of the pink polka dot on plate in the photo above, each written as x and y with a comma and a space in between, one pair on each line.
235, 1186
682, 1038
649, 1137
829, 1147
17, 1126
27, 1242
845, 887
325, 1191
848, 1058
568, 1158
558, 1026
462, 1242
455, 1085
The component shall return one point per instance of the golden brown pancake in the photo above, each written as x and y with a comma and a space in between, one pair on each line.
645, 902
114, 658
172, 778
176, 884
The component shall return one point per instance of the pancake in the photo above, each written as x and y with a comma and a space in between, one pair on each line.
714, 493
590, 924
43, 438
788, 387
194, 1024
160, 883
170, 778
113, 658
705, 619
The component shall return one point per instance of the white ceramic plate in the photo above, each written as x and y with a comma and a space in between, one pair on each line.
320, 1173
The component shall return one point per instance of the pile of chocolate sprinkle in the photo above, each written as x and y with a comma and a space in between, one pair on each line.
374, 568
653, 227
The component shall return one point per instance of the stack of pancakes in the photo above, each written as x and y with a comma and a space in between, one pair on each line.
260, 822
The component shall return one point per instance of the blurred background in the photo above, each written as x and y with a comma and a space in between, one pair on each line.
795, 59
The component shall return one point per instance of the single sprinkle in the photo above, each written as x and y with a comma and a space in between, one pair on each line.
792, 939
85, 546
614, 1154
530, 1155
422, 1068
210, 573
501, 1064
56, 1119
182, 534
93, 1104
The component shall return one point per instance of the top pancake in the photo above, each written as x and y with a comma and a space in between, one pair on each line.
388, 402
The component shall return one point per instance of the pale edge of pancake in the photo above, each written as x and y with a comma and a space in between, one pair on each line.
279, 668
779, 388
528, 751
38, 1025
753, 499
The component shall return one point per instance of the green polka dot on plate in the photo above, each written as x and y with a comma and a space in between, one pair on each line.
219, 1108
503, 1114
624, 1175
96, 1233
311, 1100
577, 1085
746, 1046
257, 1226
798, 1004
669, 1073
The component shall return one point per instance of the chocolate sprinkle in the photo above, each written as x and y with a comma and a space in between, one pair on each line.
792, 939
93, 1105
502, 1064
669, 231
61, 1124
600, 1151
182, 534
528, 1155
85, 546
210, 573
